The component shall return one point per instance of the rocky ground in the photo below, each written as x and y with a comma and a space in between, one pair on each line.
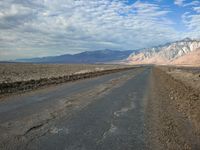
13, 72
174, 108
190, 76
20, 77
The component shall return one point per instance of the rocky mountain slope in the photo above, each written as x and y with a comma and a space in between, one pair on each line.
171, 53
192, 58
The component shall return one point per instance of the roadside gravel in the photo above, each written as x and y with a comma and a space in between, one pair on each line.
173, 113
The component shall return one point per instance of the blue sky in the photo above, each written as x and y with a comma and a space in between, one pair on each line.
53, 27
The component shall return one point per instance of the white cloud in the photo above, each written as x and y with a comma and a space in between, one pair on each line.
197, 9
192, 22
52, 27
193, 3
179, 2
11, 10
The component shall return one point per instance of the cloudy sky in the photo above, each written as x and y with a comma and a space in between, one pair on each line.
35, 28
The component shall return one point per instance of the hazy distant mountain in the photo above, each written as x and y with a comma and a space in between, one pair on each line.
101, 56
171, 53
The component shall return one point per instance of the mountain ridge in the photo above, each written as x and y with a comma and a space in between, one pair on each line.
99, 56
168, 54
165, 54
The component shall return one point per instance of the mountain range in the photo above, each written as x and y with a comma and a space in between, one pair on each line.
87, 57
183, 52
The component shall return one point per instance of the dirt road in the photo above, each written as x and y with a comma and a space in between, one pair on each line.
119, 111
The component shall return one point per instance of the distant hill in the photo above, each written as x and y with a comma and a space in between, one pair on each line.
101, 56
180, 52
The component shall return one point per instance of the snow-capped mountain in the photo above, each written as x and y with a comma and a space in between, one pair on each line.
166, 54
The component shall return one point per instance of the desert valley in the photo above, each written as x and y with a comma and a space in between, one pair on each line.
99, 75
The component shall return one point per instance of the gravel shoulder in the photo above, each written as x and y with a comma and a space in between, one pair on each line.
173, 112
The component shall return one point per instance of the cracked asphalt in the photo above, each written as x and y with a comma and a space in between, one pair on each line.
102, 113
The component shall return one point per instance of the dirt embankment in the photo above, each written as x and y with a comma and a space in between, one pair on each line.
52, 75
13, 72
173, 113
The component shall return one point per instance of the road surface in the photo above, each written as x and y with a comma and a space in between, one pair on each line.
102, 113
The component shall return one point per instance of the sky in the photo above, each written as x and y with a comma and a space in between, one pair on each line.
37, 28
